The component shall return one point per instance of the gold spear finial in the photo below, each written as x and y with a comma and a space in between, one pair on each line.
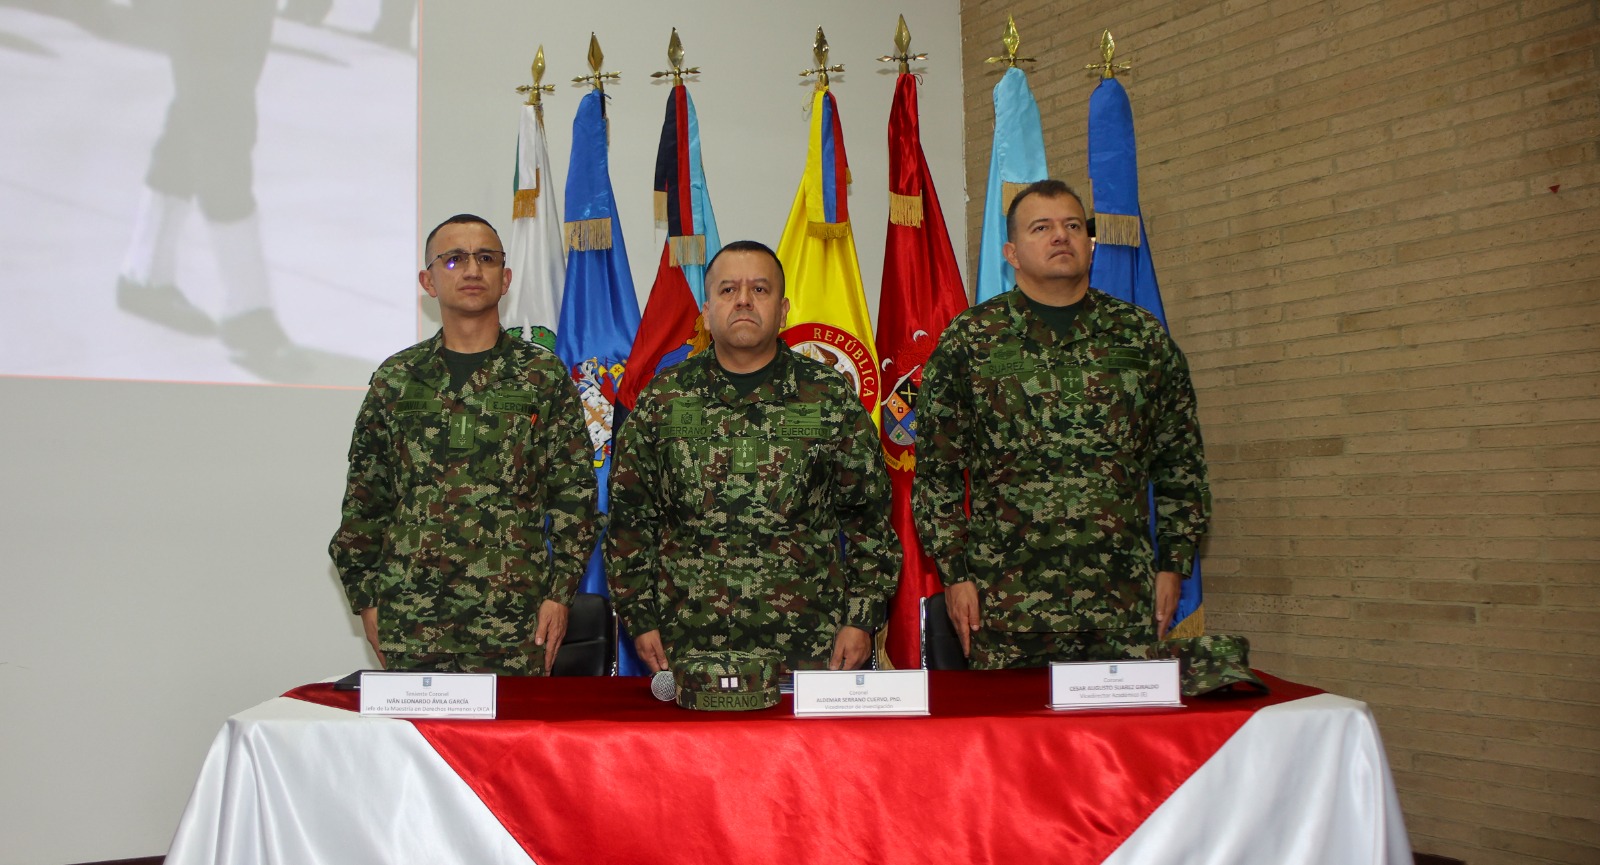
902, 47
1011, 41
675, 59
819, 51
537, 89
596, 78
1105, 67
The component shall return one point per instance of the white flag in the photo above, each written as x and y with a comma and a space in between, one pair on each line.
536, 255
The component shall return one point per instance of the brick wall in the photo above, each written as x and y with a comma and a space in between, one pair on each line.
1392, 323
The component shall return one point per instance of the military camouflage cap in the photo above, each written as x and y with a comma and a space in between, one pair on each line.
727, 681
1212, 663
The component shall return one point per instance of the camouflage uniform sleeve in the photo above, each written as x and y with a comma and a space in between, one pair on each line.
944, 422
569, 495
1178, 468
862, 504
369, 503
633, 539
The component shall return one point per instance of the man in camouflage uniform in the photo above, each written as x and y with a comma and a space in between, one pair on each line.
469, 455
734, 479
1059, 405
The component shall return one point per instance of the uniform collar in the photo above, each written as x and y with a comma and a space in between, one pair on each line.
776, 388
431, 367
1090, 319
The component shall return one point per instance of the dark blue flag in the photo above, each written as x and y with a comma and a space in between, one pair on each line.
599, 313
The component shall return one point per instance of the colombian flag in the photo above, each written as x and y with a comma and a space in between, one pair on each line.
827, 307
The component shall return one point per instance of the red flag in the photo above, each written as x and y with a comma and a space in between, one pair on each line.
922, 291
670, 329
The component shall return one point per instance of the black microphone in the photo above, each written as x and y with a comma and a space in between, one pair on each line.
663, 687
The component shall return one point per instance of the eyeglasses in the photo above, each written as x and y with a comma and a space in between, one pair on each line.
456, 259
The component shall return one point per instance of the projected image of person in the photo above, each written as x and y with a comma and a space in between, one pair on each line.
207, 173
203, 160
469, 515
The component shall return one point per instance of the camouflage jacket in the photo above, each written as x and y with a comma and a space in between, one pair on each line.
453, 495
1059, 438
726, 512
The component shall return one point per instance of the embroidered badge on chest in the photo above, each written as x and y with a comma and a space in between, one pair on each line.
803, 420
686, 418
746, 455
463, 432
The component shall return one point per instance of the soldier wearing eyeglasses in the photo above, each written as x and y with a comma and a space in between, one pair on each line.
469, 513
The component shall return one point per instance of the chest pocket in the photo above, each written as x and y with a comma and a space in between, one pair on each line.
1009, 395
686, 452
1113, 399
420, 425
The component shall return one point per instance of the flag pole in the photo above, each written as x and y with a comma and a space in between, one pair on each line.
819, 52
536, 90
597, 58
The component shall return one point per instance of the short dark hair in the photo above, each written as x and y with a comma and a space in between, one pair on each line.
1045, 188
751, 246
458, 219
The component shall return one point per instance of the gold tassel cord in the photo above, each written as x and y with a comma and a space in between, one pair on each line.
1009, 191
1193, 625
686, 249
587, 234
1117, 229
661, 208
905, 209
828, 230
525, 204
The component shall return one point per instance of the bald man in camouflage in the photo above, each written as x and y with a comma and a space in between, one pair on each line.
1057, 407
735, 479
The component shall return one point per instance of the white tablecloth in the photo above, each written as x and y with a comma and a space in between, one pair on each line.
293, 783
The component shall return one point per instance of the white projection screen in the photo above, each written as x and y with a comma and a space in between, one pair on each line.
169, 496
207, 191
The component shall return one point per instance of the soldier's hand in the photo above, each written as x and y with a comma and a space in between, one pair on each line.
552, 630
961, 602
851, 648
650, 650
369, 626
1167, 587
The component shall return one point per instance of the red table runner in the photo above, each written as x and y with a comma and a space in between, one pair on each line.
595, 770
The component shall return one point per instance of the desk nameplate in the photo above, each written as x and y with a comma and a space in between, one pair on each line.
845, 693
429, 695
1116, 685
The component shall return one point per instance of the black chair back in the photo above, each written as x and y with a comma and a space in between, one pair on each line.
590, 647
941, 647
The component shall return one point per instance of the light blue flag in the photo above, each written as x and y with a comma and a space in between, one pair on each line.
705, 221
1122, 267
599, 312
1015, 160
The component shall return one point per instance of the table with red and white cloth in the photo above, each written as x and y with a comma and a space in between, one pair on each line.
597, 771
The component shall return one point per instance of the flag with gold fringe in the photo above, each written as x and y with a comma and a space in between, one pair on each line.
670, 331
1122, 267
1015, 160
599, 312
922, 291
827, 307
534, 254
